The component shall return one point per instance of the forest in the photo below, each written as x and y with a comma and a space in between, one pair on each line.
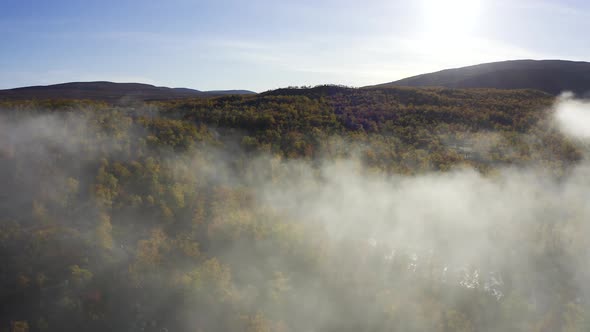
322, 208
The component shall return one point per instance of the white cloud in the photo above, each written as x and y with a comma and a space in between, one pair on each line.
373, 60
573, 116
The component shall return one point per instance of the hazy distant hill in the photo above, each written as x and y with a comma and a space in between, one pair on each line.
552, 76
109, 91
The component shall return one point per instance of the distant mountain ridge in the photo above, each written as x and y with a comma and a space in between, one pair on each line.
551, 76
110, 92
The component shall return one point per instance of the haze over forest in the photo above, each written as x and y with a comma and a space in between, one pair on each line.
317, 209
187, 167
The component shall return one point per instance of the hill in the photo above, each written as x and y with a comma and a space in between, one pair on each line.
225, 213
551, 76
109, 91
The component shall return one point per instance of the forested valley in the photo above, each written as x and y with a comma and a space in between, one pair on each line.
299, 209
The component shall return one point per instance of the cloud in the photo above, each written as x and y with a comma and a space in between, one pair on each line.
368, 60
349, 241
573, 116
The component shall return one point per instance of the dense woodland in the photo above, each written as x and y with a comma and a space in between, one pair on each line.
148, 216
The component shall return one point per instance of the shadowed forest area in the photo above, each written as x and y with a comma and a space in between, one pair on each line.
299, 209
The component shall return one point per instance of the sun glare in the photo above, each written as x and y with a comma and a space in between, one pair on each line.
457, 17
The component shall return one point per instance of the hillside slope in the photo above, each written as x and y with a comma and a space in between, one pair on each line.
551, 76
225, 213
108, 91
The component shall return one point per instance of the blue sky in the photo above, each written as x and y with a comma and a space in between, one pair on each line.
265, 44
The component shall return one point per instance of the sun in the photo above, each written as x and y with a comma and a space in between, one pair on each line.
444, 17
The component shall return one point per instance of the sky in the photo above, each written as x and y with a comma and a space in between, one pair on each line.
266, 44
